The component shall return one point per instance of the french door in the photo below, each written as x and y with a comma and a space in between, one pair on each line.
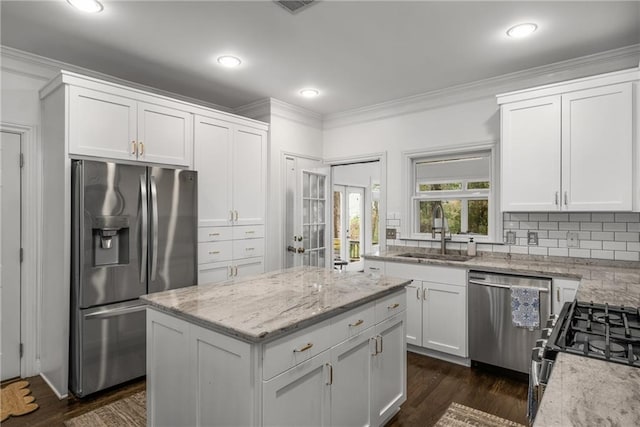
306, 213
348, 227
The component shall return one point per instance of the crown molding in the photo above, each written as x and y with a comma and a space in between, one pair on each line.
42, 68
264, 109
611, 60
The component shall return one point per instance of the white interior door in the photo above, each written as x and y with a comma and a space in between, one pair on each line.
10, 254
349, 231
306, 212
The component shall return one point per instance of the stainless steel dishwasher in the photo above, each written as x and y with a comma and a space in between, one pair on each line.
493, 339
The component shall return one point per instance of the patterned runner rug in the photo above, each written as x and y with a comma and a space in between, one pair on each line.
130, 411
458, 415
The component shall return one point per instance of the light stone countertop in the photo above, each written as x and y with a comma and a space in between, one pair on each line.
613, 282
582, 391
590, 392
262, 307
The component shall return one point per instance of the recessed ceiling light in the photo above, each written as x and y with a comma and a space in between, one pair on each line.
309, 93
90, 6
521, 30
229, 61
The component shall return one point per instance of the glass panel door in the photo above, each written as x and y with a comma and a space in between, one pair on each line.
348, 227
314, 222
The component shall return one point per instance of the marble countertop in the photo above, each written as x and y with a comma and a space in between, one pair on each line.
590, 392
613, 282
262, 307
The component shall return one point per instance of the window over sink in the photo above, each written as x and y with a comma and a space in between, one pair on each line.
463, 182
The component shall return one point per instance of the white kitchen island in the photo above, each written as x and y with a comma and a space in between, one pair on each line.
299, 347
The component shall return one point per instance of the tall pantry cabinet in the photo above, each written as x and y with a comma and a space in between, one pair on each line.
230, 155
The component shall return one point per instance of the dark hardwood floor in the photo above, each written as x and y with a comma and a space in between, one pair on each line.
432, 385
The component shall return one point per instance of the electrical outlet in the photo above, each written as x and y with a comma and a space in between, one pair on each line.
391, 233
511, 238
532, 238
572, 239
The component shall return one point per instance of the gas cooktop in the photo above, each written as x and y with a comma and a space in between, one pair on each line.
599, 331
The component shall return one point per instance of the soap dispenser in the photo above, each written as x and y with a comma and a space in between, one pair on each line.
471, 247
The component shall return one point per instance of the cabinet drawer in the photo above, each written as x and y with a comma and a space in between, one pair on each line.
390, 305
214, 252
212, 234
288, 351
351, 323
213, 273
248, 231
374, 266
248, 248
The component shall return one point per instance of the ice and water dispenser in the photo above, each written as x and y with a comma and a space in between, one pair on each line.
110, 240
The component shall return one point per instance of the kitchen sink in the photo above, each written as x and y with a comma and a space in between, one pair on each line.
445, 257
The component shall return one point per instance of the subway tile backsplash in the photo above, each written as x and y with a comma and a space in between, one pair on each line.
601, 235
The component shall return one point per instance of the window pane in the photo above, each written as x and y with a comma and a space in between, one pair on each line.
440, 187
478, 217
452, 211
375, 219
477, 185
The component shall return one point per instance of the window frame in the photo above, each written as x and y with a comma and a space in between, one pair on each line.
413, 197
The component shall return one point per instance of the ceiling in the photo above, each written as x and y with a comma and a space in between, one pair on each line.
357, 53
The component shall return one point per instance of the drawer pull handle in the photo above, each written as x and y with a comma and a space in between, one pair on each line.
249, 232
391, 307
249, 249
305, 348
358, 323
213, 234
214, 252
374, 268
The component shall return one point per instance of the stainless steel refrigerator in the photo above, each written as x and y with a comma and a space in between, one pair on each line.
134, 232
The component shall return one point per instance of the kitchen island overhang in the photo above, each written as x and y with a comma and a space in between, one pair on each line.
282, 348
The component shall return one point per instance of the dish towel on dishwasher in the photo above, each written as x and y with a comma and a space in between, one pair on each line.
525, 307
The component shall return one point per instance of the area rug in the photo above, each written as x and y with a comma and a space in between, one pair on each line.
458, 415
15, 400
130, 411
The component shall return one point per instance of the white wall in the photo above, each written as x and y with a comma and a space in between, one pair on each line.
462, 116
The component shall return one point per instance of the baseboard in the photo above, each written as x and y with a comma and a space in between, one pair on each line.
46, 380
464, 361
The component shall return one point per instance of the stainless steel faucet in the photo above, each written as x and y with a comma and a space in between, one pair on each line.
438, 208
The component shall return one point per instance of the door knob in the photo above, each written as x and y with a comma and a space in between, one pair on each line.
291, 249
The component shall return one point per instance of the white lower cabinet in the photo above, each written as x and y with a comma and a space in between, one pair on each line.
563, 290
444, 318
299, 396
313, 377
389, 369
436, 306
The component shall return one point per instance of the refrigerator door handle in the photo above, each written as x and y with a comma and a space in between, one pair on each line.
143, 229
154, 228
112, 312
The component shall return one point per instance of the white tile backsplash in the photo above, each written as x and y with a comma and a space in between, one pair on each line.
601, 235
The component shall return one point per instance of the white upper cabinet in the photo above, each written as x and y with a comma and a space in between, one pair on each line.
111, 126
165, 135
102, 125
531, 155
231, 161
597, 149
569, 146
